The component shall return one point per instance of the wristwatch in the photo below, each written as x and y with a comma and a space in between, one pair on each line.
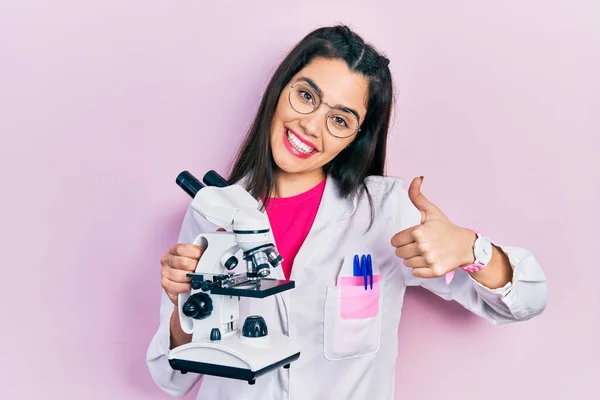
482, 250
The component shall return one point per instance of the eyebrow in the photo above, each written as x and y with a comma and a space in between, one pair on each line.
320, 93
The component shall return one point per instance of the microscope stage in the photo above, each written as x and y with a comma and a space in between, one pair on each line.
259, 289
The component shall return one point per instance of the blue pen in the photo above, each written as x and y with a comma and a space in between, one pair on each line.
370, 269
357, 271
364, 267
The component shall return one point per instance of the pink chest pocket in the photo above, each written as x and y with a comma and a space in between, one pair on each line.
357, 302
352, 317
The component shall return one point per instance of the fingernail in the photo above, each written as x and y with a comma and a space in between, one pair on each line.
421, 178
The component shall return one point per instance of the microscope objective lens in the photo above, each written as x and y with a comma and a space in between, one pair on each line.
262, 264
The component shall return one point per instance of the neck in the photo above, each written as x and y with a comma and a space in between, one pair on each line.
292, 184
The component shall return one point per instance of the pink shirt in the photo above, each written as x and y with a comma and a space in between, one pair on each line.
291, 219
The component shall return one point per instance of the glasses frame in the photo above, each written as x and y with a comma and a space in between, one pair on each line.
326, 116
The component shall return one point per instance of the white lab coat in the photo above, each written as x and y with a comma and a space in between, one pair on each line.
346, 359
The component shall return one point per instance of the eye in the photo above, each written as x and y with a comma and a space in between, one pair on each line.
339, 121
305, 96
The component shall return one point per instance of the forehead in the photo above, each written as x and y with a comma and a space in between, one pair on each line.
338, 85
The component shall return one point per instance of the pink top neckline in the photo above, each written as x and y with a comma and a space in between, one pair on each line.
317, 190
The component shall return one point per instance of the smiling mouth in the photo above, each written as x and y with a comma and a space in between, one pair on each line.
298, 144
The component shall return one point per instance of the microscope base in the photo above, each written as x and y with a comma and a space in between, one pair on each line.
228, 372
235, 357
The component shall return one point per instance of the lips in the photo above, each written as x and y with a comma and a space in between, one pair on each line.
297, 146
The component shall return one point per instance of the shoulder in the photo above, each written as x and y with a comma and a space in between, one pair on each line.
385, 190
390, 197
382, 185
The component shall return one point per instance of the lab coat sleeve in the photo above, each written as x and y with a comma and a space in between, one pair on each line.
522, 299
166, 378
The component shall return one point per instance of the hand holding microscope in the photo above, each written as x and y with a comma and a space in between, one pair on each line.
210, 310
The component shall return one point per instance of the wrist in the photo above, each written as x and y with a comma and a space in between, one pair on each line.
469, 238
177, 336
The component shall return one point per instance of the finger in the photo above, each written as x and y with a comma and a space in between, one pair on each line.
432, 271
404, 237
427, 208
416, 262
176, 275
408, 250
175, 287
423, 273
182, 263
187, 250
414, 191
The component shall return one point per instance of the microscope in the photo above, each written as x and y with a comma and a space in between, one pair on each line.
210, 310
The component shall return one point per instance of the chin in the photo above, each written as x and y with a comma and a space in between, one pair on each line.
288, 166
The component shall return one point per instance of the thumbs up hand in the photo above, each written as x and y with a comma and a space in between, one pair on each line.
436, 246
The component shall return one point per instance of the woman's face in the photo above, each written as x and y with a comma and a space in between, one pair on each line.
301, 141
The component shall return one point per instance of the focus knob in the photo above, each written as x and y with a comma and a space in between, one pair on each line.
231, 263
215, 334
198, 306
254, 327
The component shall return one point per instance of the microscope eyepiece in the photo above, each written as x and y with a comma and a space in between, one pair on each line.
212, 178
189, 183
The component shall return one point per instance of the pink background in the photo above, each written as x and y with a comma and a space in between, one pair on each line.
104, 102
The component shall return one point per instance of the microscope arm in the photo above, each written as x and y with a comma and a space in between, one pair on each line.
231, 205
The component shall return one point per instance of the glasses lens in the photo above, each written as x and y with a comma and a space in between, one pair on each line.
341, 123
303, 98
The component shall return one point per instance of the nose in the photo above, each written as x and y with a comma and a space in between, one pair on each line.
314, 123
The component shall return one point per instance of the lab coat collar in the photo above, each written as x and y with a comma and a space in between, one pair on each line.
332, 207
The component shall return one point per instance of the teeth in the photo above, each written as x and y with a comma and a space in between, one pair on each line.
301, 147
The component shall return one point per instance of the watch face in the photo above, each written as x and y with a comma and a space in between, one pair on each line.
483, 250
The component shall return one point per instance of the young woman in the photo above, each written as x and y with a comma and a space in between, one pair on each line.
315, 156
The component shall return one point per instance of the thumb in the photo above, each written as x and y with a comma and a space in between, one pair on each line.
221, 230
427, 208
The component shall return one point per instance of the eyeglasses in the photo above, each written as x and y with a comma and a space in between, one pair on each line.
304, 99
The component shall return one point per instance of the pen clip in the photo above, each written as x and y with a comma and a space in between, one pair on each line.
363, 268
370, 269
